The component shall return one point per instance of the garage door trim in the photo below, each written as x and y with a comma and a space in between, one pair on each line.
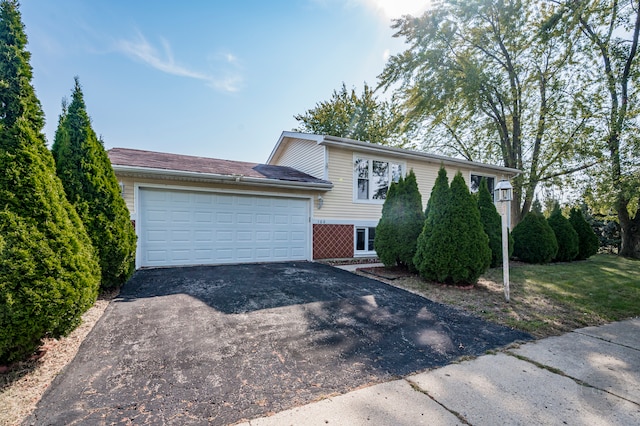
138, 187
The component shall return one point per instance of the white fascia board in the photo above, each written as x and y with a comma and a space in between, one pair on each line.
149, 172
293, 135
405, 153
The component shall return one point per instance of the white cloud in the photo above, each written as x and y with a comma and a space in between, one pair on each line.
140, 49
393, 9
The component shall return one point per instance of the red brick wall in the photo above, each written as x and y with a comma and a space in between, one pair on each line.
332, 241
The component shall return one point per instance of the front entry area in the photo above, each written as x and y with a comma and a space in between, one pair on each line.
183, 227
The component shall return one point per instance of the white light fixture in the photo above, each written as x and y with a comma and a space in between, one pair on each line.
320, 201
503, 191
503, 195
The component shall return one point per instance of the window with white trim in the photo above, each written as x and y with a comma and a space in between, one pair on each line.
365, 237
373, 177
475, 183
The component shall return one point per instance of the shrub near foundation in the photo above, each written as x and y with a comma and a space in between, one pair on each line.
401, 223
454, 249
534, 240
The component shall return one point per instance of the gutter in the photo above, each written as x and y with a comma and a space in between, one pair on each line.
400, 152
212, 177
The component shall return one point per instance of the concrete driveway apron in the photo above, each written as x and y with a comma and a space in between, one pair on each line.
221, 344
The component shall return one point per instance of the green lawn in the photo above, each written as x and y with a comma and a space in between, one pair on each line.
548, 299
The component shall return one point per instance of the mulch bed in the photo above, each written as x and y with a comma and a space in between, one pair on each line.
387, 273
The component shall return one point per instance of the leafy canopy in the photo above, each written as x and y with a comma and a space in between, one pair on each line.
348, 115
478, 81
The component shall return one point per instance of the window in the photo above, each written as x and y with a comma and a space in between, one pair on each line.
373, 177
475, 183
364, 239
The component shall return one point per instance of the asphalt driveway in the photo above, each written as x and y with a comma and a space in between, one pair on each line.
221, 344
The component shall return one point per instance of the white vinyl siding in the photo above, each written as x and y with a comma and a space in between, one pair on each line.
338, 203
306, 156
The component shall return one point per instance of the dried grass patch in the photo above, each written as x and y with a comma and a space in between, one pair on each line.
22, 387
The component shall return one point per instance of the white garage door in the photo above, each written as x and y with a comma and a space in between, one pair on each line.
195, 228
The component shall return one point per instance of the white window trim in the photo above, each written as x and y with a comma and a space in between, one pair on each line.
362, 253
357, 200
494, 177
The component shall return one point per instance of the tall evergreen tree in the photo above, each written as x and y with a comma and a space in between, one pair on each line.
49, 274
92, 187
386, 240
588, 243
411, 221
434, 213
401, 223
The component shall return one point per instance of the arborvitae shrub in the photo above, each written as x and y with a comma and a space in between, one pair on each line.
440, 195
401, 223
411, 221
92, 187
386, 239
588, 242
566, 236
456, 249
49, 274
534, 240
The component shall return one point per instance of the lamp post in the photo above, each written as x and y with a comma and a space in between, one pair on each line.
503, 195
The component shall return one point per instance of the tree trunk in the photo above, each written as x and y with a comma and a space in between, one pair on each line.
629, 233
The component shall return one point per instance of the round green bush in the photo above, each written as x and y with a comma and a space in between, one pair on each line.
566, 236
588, 242
534, 240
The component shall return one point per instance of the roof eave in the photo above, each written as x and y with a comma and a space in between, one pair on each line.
218, 178
400, 152
292, 135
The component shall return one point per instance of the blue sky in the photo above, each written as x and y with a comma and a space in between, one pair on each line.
211, 78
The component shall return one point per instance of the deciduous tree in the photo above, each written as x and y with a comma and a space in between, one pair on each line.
348, 115
479, 81
608, 32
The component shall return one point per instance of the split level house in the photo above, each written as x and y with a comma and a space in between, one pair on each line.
316, 197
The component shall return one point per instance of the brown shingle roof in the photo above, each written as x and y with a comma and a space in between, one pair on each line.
187, 163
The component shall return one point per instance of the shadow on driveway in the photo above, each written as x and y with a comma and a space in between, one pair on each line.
220, 344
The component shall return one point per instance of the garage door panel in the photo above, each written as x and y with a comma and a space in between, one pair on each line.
188, 227
244, 236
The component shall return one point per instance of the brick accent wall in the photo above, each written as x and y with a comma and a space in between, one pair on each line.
332, 241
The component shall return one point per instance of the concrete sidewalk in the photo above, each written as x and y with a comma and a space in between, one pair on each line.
590, 376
